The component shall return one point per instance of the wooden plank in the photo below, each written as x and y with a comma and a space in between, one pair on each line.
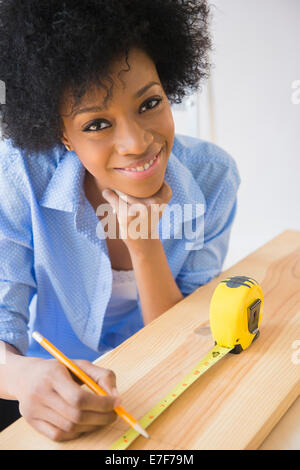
236, 403
286, 434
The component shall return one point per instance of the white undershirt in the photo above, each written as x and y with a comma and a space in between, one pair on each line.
121, 306
124, 293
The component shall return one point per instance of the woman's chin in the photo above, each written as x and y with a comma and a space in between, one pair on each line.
146, 192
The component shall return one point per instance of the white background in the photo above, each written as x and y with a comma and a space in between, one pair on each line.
246, 108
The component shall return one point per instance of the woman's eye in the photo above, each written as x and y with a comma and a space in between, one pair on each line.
95, 126
152, 100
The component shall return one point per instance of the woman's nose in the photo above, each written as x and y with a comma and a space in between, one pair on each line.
133, 139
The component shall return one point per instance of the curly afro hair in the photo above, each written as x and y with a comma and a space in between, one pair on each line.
50, 46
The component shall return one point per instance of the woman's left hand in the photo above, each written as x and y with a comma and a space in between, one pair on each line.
138, 217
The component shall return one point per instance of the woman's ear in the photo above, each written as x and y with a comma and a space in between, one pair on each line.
62, 135
66, 143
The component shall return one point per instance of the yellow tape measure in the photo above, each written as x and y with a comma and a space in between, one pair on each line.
235, 314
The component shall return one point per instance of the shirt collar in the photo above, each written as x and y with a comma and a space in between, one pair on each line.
64, 188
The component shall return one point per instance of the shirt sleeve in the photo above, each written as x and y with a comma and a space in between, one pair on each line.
17, 282
204, 264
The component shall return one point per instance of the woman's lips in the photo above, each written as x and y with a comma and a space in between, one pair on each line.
140, 162
144, 173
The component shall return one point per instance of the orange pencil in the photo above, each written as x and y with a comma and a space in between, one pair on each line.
87, 380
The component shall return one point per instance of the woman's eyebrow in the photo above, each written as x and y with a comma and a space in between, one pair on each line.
91, 109
144, 89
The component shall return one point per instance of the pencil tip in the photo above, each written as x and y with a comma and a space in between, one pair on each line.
141, 430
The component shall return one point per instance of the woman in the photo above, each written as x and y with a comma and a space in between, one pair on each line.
89, 144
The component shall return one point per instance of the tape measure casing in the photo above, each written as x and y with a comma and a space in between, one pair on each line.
236, 305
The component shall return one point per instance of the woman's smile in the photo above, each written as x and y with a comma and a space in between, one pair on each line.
143, 171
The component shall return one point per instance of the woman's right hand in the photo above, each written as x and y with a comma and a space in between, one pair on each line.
52, 400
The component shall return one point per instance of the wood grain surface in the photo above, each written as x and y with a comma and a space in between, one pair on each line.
232, 406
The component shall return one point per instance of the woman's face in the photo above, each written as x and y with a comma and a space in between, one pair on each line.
136, 126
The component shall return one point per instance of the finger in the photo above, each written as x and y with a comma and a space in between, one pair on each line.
67, 412
52, 432
60, 422
111, 196
164, 194
106, 378
131, 199
80, 421
79, 398
125, 197
56, 402
69, 418
119, 204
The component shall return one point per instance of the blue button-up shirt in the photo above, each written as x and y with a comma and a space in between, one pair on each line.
55, 270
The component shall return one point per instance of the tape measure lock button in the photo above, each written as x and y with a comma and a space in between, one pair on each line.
253, 316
